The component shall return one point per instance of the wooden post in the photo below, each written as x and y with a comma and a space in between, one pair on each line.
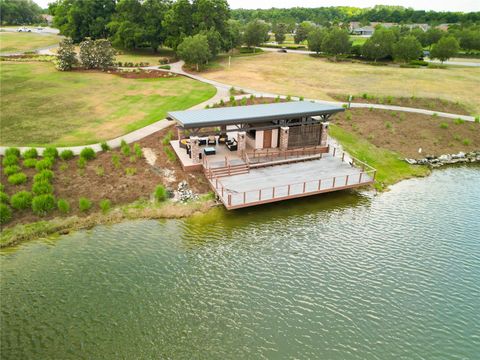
216, 183
319, 184
225, 161
273, 193
346, 181
334, 151
259, 194
360, 178
333, 182
288, 194
343, 156
304, 186
222, 191
229, 199
244, 197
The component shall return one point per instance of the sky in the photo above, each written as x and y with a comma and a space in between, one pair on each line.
437, 5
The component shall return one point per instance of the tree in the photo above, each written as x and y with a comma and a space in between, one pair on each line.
407, 48
178, 23
336, 42
445, 48
255, 33
207, 14
87, 53
194, 50
302, 31
379, 45
214, 41
67, 57
19, 12
97, 54
315, 39
432, 36
280, 31
79, 19
469, 39
233, 38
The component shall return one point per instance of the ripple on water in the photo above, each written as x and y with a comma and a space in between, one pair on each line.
336, 276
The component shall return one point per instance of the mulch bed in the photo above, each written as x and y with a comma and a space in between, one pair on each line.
71, 183
133, 74
405, 132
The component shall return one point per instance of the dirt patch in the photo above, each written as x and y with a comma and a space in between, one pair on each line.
101, 179
133, 74
439, 105
406, 133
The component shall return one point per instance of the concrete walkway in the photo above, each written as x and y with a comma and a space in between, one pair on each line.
223, 92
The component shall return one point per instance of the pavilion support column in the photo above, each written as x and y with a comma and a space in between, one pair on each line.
180, 133
284, 132
223, 129
324, 134
241, 142
195, 149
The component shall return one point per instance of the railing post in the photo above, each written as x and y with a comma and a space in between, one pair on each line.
346, 181
229, 199
260, 195
225, 161
244, 197
222, 191
216, 183
333, 185
334, 151
288, 193
304, 186
343, 156
273, 193
319, 184
360, 178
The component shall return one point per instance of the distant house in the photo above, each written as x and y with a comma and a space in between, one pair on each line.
47, 18
443, 27
423, 27
364, 30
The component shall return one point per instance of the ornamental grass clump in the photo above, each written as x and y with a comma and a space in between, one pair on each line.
44, 175
84, 204
66, 155
17, 179
50, 152
88, 154
116, 161
21, 200
105, 146
160, 193
12, 169
4, 198
43, 204
12, 151
105, 205
5, 214
63, 206
138, 150
81, 163
43, 164
42, 187
9, 160
125, 148
30, 163
30, 154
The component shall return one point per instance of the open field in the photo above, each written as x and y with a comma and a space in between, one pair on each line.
41, 105
145, 56
12, 42
303, 75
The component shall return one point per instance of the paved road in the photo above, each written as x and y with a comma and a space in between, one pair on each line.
308, 52
46, 50
46, 30
223, 93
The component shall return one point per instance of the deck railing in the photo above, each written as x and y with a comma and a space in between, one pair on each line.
273, 155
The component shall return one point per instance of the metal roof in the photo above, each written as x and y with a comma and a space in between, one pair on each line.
251, 113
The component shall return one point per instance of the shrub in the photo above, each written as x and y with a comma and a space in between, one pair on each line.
43, 204
105, 205
459, 121
466, 142
443, 126
44, 175
30, 154
21, 200
50, 152
100, 171
160, 193
167, 138
125, 149
12, 169
289, 98
12, 151
46, 163
9, 160
87, 153
66, 155
130, 171
418, 62
105, 146
81, 163
388, 125
477, 119
63, 206
116, 161
2, 187
63, 167
30, 163
232, 98
42, 187
4, 198
17, 179
301, 98
5, 214
277, 99
84, 204
133, 159
138, 150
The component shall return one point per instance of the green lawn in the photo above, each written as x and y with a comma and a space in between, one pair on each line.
358, 40
145, 56
41, 105
12, 42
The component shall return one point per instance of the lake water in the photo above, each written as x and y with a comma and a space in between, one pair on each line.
338, 276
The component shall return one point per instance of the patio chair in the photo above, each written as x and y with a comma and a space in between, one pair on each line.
223, 138
211, 140
232, 145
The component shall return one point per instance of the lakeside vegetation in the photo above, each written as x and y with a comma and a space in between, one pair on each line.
41, 105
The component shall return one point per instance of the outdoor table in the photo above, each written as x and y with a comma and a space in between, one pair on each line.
209, 151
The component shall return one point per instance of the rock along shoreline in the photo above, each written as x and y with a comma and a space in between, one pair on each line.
446, 159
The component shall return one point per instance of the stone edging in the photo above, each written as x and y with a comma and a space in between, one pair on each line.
447, 159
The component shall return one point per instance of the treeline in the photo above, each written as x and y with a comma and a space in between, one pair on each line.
343, 14
19, 12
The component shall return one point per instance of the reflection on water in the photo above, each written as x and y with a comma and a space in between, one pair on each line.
345, 275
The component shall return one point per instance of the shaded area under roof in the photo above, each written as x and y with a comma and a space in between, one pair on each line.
251, 113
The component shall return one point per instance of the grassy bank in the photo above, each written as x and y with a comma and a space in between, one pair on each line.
14, 42
310, 77
391, 168
137, 210
43, 106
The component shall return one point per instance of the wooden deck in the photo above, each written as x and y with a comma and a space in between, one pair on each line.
305, 176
